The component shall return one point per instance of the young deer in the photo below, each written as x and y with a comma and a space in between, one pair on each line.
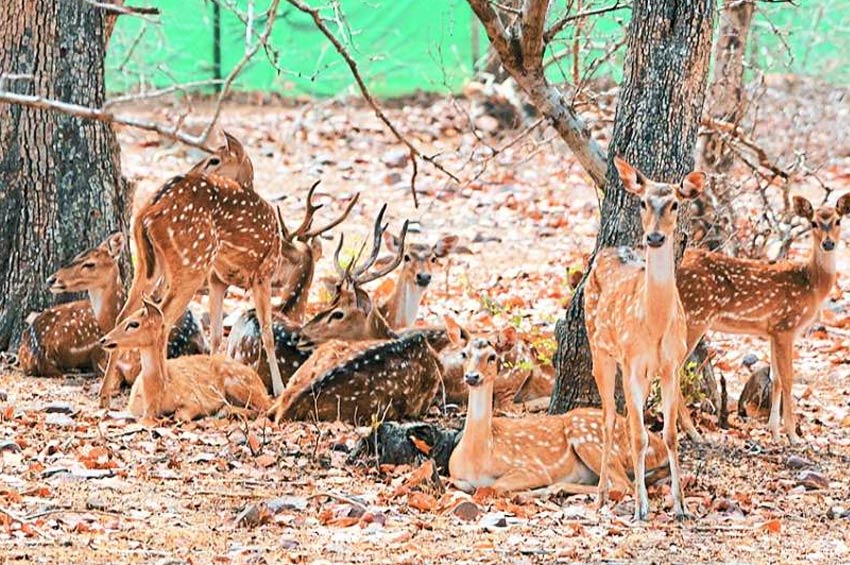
301, 250
536, 452
373, 372
635, 320
776, 301
420, 261
205, 225
190, 387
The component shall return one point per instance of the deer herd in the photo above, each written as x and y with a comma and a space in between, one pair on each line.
360, 359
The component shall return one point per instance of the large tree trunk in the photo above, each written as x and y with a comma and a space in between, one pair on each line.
655, 129
61, 188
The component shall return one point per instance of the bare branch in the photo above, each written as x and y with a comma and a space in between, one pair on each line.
533, 19
352, 65
736, 134
101, 115
147, 95
119, 9
558, 26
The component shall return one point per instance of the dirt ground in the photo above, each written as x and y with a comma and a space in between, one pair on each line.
83, 485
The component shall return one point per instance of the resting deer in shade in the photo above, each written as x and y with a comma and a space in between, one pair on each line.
563, 452
301, 250
206, 225
191, 387
65, 337
777, 301
635, 320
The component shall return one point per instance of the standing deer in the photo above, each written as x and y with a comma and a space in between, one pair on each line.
204, 225
635, 320
775, 301
420, 261
65, 337
301, 250
359, 368
193, 386
562, 452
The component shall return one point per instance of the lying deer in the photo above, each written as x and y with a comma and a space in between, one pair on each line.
373, 372
193, 386
777, 301
204, 225
557, 453
635, 320
301, 250
64, 337
420, 261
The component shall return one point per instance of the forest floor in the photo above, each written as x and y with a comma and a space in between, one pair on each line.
83, 485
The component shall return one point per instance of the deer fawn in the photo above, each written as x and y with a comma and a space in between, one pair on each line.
420, 261
536, 452
635, 320
191, 387
301, 250
374, 372
205, 225
776, 301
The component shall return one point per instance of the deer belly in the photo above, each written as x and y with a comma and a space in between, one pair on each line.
740, 325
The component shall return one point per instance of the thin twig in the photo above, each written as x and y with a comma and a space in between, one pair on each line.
122, 10
24, 522
147, 95
556, 28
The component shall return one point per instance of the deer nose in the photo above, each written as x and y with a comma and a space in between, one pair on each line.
655, 239
423, 279
106, 344
304, 344
828, 245
472, 378
51, 280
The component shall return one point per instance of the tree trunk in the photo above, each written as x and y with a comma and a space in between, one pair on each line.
61, 188
655, 129
726, 95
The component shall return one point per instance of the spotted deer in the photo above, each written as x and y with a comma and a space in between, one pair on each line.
360, 368
635, 319
537, 453
414, 277
301, 250
205, 225
776, 301
188, 387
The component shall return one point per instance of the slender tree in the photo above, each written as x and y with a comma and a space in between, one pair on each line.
61, 188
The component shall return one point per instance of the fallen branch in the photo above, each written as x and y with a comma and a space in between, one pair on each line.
24, 522
352, 65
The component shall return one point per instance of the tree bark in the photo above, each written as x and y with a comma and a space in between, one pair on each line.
726, 95
655, 129
61, 188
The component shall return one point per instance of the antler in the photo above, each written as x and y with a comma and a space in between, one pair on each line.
340, 271
284, 233
369, 277
308, 215
376, 244
334, 223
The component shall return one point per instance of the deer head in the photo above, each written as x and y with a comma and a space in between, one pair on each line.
659, 202
825, 221
94, 268
143, 328
420, 260
481, 363
229, 160
351, 315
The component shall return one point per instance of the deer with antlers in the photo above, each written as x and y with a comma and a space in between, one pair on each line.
776, 301
205, 225
301, 249
359, 368
537, 453
189, 387
65, 337
635, 320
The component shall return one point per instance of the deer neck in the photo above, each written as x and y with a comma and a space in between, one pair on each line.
152, 359
377, 327
660, 287
822, 270
478, 428
403, 305
107, 300
297, 291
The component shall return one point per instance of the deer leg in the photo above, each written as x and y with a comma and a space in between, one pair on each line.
261, 292
217, 291
605, 373
782, 359
670, 393
775, 391
635, 399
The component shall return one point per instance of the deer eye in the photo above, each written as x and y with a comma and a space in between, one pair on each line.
814, 225
336, 315
463, 355
133, 325
434, 259
491, 358
213, 162
838, 222
407, 258
88, 265
642, 205
674, 206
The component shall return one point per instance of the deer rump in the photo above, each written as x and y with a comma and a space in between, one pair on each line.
353, 382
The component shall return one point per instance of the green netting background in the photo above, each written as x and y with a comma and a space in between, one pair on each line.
404, 46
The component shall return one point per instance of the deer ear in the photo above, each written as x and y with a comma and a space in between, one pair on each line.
633, 179
454, 331
232, 144
382, 262
445, 245
115, 244
843, 205
391, 241
803, 207
692, 185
